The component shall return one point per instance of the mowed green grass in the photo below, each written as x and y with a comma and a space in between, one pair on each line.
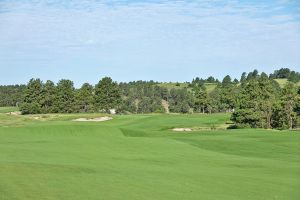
140, 157
8, 109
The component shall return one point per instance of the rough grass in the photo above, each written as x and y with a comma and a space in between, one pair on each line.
139, 157
283, 81
209, 86
8, 109
170, 86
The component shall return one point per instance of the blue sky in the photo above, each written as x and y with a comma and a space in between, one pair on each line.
85, 40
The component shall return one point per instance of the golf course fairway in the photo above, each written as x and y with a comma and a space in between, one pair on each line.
140, 157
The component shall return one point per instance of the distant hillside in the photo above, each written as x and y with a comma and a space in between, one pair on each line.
209, 86
283, 81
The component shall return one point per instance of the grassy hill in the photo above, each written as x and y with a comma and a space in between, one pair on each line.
209, 86
140, 157
283, 81
174, 85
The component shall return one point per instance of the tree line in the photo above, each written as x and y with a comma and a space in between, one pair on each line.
11, 95
62, 97
255, 100
292, 76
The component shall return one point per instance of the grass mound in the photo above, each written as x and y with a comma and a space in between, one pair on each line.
140, 157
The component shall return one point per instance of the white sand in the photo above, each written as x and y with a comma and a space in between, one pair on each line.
182, 129
98, 119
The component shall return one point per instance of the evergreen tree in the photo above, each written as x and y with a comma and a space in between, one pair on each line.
180, 101
214, 101
32, 97
33, 91
107, 95
11, 95
266, 100
235, 81
65, 97
252, 75
48, 97
85, 98
129, 104
210, 79
226, 81
243, 77
256, 101
30, 108
149, 105
248, 112
289, 101
201, 99
227, 94
298, 103
281, 73
294, 77
144, 105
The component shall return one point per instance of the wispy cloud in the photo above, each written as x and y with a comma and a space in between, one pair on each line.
175, 33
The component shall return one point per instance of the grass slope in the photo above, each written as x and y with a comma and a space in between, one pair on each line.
209, 86
139, 157
284, 81
8, 109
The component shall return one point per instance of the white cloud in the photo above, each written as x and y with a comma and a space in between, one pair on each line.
169, 32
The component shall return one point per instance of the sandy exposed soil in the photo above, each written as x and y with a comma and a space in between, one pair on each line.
98, 119
14, 113
165, 104
182, 129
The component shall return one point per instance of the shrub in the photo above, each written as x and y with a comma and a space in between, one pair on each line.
30, 108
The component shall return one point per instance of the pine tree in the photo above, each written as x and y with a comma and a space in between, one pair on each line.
226, 81
248, 111
180, 101
201, 99
227, 94
65, 98
32, 97
266, 100
33, 92
289, 100
243, 77
48, 97
85, 98
107, 95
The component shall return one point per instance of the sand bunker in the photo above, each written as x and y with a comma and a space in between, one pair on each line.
182, 129
98, 119
14, 113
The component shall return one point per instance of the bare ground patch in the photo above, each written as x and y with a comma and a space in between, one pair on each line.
210, 128
14, 113
97, 119
182, 129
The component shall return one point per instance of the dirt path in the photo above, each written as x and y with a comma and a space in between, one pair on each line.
165, 104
